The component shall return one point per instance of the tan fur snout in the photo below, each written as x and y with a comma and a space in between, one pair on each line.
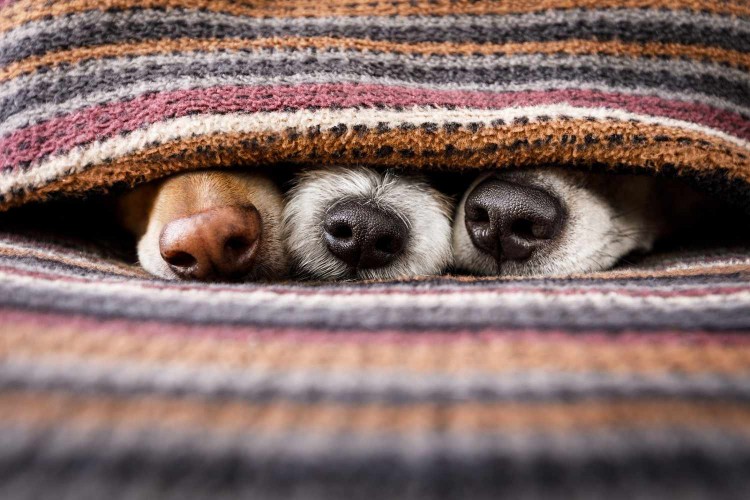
208, 225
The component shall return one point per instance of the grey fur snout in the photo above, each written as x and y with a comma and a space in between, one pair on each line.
367, 224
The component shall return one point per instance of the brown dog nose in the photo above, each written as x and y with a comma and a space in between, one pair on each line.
363, 235
220, 243
510, 221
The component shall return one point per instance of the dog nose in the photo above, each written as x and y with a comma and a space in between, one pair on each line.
363, 235
219, 243
510, 221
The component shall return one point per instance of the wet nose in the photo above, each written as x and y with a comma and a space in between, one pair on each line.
363, 235
219, 243
511, 221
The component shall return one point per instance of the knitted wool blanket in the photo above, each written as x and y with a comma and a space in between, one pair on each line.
629, 383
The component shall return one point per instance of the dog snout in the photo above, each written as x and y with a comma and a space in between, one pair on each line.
363, 235
511, 221
219, 243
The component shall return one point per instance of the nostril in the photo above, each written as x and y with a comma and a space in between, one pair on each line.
524, 228
181, 260
389, 244
236, 244
340, 231
477, 214
530, 230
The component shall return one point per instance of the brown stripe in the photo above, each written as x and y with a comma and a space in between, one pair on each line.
25, 11
634, 145
573, 47
57, 409
119, 342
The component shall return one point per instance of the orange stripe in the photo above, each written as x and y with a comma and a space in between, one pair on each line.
698, 270
26, 11
520, 145
573, 47
116, 342
57, 409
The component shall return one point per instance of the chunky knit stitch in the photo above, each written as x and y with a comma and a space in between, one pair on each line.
629, 383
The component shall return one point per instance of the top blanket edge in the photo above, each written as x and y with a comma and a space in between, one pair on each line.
93, 95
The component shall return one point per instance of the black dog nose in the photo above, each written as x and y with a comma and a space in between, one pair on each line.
363, 235
510, 221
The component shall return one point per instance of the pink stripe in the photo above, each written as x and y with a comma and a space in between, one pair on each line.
11, 318
503, 289
60, 135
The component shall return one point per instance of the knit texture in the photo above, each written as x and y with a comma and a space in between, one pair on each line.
633, 383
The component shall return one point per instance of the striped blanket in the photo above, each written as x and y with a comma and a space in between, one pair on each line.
629, 383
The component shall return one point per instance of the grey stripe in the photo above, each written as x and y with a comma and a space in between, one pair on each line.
31, 115
444, 312
359, 387
234, 60
96, 27
165, 463
436, 284
60, 269
294, 443
109, 75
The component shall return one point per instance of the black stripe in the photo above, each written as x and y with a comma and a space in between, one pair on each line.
655, 464
592, 386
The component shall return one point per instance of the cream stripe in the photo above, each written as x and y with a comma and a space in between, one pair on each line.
85, 374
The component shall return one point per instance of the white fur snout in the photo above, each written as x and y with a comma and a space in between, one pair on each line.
607, 217
424, 211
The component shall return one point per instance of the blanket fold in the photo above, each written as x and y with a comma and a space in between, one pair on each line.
628, 383
94, 93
